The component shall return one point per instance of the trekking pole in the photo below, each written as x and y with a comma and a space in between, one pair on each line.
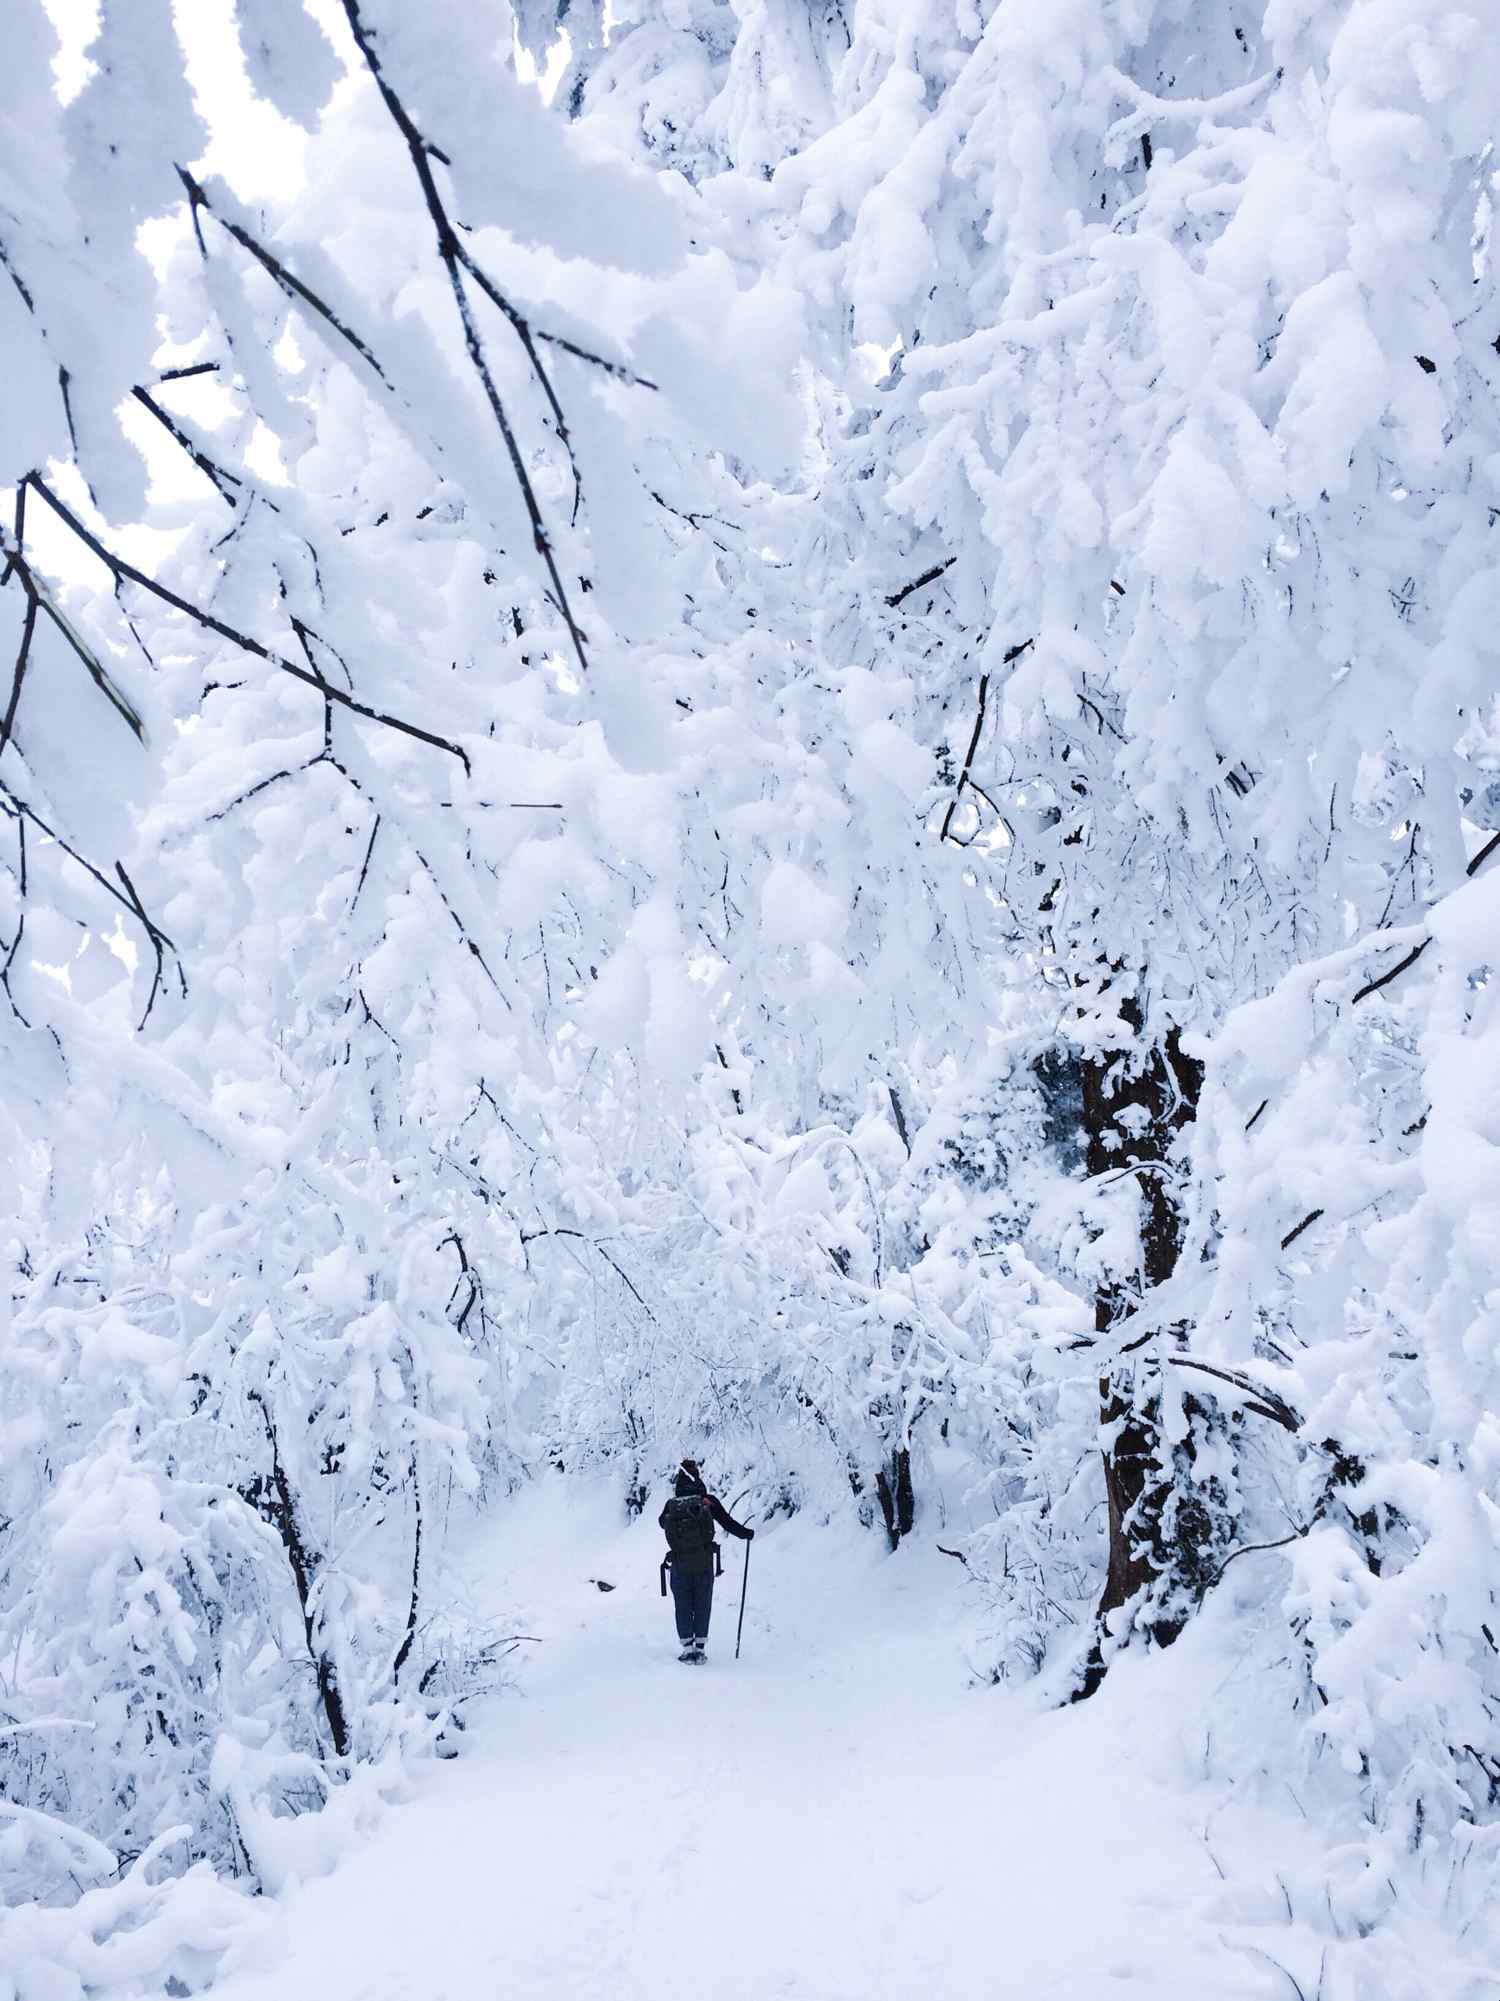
744, 1584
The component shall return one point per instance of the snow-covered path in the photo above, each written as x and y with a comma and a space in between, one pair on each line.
836, 1817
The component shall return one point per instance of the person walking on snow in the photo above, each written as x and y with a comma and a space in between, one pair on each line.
688, 1521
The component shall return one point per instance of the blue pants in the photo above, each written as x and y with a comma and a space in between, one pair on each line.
693, 1598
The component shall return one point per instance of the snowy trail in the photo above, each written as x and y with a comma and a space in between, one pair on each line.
836, 1817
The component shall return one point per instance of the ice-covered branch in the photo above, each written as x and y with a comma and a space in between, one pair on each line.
456, 262
126, 572
18, 810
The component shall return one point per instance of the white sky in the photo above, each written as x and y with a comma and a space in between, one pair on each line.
250, 141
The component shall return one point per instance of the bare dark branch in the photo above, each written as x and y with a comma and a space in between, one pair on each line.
456, 261
276, 270
261, 785
127, 572
17, 808
1267, 1401
225, 483
1394, 972
615, 368
1255, 1548
16, 565
899, 1114
963, 776
1294, 1233
364, 867
23, 659
158, 942
15, 944
927, 577
409, 1637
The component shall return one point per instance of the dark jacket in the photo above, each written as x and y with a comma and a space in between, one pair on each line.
726, 1521
685, 1485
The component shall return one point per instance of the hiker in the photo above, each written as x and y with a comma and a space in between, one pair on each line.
688, 1521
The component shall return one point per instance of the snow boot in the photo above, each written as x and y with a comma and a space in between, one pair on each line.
690, 1651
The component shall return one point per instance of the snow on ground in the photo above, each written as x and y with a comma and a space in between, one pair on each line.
838, 1816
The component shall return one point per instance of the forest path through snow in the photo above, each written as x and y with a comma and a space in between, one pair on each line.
838, 1816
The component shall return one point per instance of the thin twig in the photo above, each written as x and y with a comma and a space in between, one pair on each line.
1255, 1548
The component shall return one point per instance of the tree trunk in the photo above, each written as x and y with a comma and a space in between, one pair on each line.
278, 1504
898, 1503
1161, 1525
408, 1638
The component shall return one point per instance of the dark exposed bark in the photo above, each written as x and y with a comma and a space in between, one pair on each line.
734, 1092
408, 1638
277, 1503
893, 1487
1346, 1472
1163, 1541
898, 1112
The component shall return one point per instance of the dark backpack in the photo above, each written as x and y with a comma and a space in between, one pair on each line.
689, 1527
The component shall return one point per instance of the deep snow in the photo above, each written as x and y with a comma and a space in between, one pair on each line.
842, 1814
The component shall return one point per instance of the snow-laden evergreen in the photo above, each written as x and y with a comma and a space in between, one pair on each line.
789, 754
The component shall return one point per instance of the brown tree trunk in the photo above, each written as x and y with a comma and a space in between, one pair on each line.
1156, 1534
898, 1504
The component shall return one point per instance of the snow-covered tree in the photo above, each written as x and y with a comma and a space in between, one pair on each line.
1184, 452
799, 775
